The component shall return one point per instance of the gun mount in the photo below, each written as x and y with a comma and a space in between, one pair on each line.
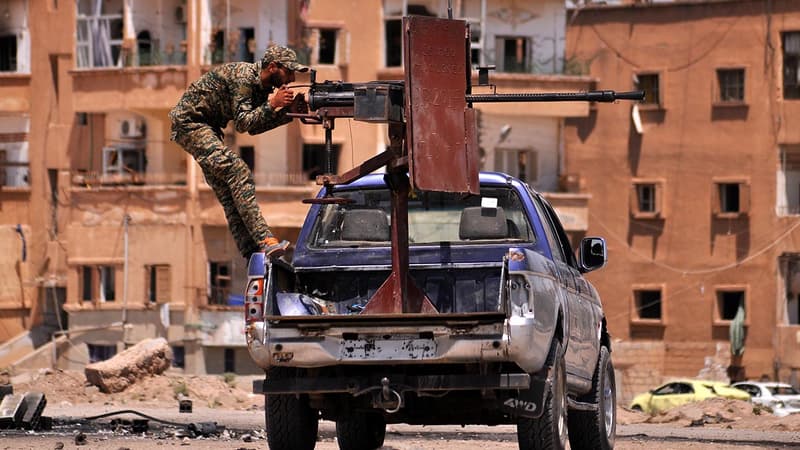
433, 138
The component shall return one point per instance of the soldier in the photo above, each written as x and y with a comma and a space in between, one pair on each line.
240, 92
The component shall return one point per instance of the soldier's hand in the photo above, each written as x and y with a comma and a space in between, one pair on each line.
299, 104
281, 98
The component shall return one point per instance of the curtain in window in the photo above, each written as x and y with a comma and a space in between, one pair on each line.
101, 37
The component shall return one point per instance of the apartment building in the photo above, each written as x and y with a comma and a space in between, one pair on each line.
696, 188
113, 233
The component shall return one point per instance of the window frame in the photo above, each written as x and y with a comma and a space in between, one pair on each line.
499, 52
744, 289
790, 57
635, 316
658, 211
717, 197
719, 100
531, 168
659, 103
96, 275
341, 38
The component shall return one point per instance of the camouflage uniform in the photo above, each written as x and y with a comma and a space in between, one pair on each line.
230, 92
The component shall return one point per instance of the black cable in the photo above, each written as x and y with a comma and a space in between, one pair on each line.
130, 411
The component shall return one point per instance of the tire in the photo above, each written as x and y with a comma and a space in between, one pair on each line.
291, 423
550, 430
361, 431
597, 429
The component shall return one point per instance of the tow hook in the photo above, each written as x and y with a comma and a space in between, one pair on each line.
390, 400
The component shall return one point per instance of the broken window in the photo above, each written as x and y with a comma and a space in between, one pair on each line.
513, 54
731, 85
791, 64
219, 282
728, 303
647, 304
521, 163
649, 83
159, 278
315, 159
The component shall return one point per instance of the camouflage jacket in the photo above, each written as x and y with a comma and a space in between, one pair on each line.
228, 92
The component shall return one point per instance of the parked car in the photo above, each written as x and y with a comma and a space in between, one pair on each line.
782, 398
680, 392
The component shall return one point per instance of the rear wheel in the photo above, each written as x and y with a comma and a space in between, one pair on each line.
361, 431
291, 423
550, 430
597, 429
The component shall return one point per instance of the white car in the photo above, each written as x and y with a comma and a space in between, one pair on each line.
782, 398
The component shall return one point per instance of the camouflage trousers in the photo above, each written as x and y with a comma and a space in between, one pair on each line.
232, 182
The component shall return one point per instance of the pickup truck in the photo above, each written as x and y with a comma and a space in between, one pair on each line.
518, 336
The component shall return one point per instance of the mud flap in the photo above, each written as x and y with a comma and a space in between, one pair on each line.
528, 403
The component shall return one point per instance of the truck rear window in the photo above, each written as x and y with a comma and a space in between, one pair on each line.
497, 215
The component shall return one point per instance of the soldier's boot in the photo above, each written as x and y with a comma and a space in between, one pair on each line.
274, 248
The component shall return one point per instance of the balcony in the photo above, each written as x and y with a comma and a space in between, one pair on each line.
130, 88
15, 92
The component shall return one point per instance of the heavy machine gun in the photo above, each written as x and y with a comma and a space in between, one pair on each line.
433, 136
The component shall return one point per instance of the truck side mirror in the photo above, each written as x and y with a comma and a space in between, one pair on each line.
593, 254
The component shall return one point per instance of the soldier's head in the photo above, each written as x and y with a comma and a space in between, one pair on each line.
278, 66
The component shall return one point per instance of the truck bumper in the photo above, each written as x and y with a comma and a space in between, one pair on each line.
327, 344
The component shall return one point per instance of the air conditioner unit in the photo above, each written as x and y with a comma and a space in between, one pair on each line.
132, 128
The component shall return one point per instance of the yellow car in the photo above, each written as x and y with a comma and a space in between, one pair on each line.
679, 392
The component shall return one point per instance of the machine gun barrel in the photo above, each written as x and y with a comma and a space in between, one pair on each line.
590, 96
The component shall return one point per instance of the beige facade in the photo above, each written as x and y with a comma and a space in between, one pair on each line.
122, 238
695, 189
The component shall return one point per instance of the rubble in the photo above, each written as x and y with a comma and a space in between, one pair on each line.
147, 358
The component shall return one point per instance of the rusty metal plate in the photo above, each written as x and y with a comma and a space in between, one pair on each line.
435, 57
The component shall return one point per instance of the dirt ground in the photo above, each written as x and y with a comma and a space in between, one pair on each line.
228, 400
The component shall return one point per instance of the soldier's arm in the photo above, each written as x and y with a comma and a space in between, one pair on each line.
255, 119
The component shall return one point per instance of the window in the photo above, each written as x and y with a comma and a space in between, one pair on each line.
647, 304
788, 179
729, 300
513, 54
731, 85
791, 64
649, 83
325, 50
98, 283
8, 53
229, 362
393, 12
158, 283
731, 197
647, 199
99, 353
219, 276
521, 163
790, 270
248, 155
98, 34
14, 165
314, 159
178, 356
